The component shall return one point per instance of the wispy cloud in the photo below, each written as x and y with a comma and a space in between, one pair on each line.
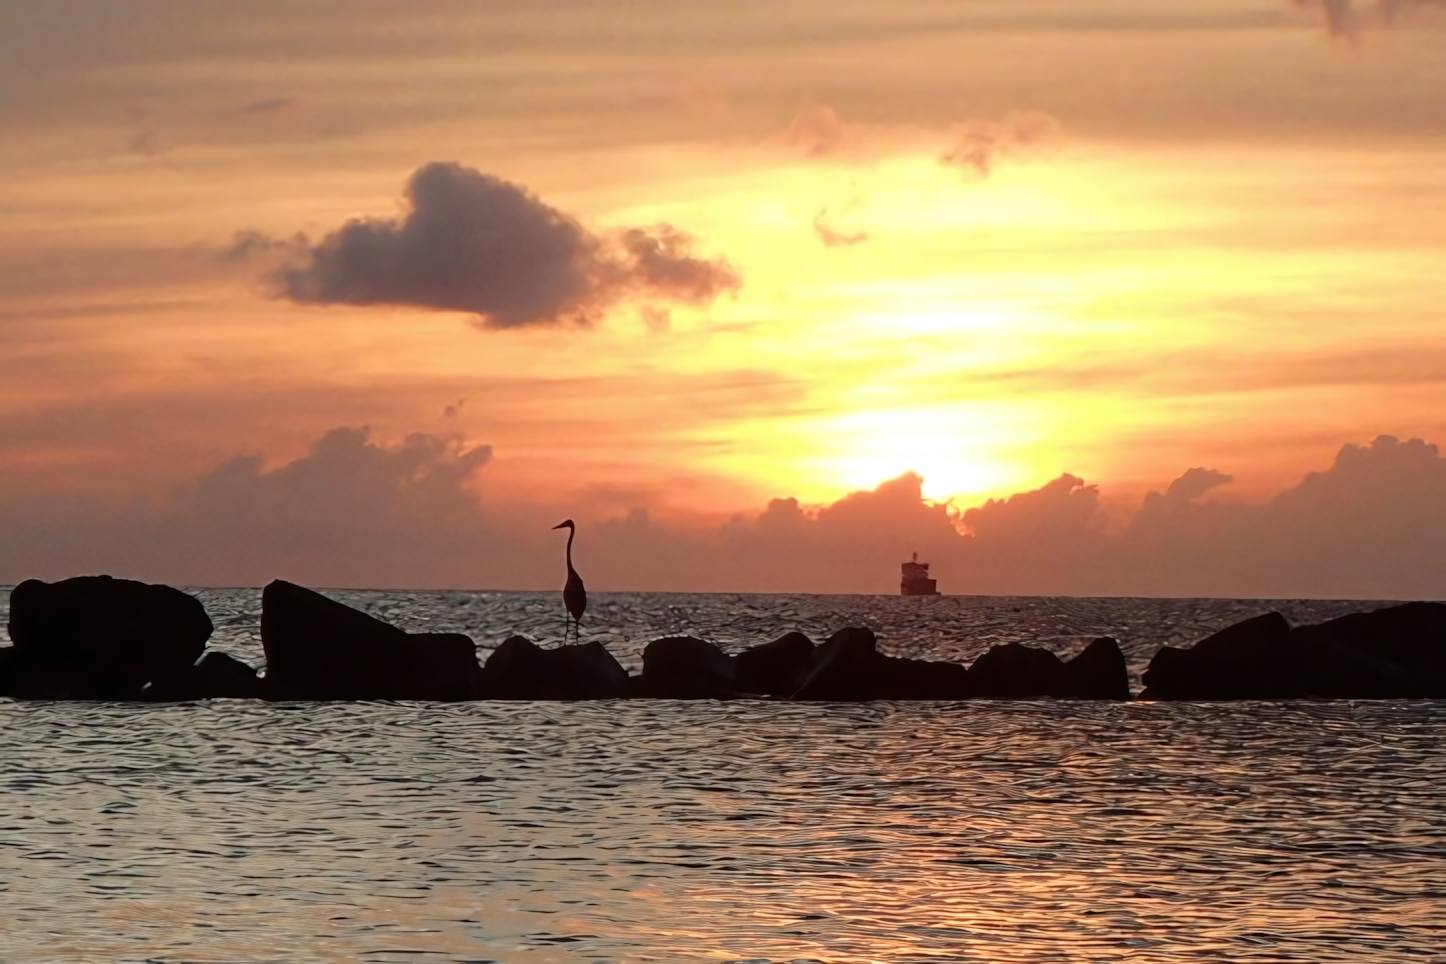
266, 105
1349, 18
819, 130
980, 145
833, 237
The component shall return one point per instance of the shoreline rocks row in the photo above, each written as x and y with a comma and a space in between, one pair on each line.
99, 638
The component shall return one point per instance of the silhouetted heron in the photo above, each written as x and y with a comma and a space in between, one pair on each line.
574, 596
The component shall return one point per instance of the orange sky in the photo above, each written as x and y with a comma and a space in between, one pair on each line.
1170, 236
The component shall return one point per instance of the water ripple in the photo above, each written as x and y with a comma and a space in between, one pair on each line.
742, 831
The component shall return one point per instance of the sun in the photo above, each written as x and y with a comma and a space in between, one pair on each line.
932, 443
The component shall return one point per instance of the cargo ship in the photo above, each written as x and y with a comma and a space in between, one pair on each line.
916, 581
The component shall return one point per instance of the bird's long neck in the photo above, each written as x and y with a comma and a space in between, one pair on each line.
571, 531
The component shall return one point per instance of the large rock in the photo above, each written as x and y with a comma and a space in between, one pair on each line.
849, 668
918, 679
319, 649
1256, 659
519, 669
95, 637
30, 676
7, 670
842, 669
1098, 673
215, 675
685, 668
1393, 653
1017, 672
773, 669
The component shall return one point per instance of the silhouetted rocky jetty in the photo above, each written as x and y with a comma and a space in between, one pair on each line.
519, 669
319, 649
215, 675
1393, 653
684, 668
98, 638
772, 669
1018, 672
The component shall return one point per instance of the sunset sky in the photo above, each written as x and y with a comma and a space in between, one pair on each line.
476, 266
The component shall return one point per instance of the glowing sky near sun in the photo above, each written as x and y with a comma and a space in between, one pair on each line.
983, 241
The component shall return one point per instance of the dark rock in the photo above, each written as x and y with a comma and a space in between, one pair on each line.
225, 677
918, 679
774, 668
1172, 670
214, 676
519, 669
849, 668
1255, 659
684, 668
32, 676
1017, 672
1393, 653
319, 649
842, 669
1098, 673
95, 637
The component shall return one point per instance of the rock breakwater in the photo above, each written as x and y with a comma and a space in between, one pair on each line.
97, 638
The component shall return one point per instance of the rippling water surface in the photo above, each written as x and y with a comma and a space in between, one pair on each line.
748, 831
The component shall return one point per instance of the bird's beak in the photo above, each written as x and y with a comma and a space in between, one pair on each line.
560, 525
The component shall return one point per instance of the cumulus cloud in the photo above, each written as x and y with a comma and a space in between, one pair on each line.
979, 145
476, 243
352, 511
249, 243
358, 511
1195, 483
1064, 506
345, 475
1372, 526
659, 261
353, 505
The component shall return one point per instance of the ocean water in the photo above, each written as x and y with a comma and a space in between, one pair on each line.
745, 831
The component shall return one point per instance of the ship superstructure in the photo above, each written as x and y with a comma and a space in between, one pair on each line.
916, 581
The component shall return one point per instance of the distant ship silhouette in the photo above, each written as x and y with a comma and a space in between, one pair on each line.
916, 581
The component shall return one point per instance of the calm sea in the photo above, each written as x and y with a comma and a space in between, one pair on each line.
748, 831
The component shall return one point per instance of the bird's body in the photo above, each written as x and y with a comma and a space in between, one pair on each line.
574, 596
